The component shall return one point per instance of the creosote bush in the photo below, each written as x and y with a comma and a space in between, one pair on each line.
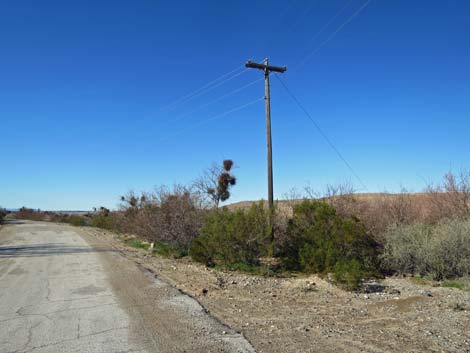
315, 240
233, 239
77, 220
105, 219
318, 240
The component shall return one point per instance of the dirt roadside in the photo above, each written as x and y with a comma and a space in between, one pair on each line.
308, 314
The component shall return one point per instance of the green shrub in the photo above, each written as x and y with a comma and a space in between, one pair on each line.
320, 241
317, 238
168, 250
135, 243
59, 218
76, 220
229, 239
104, 222
349, 273
441, 251
460, 283
242, 267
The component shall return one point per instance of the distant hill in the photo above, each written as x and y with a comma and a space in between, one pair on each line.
359, 197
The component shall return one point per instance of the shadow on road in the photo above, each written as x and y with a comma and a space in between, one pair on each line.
13, 221
47, 249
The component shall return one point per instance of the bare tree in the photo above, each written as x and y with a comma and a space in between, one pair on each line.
215, 183
169, 215
451, 198
341, 196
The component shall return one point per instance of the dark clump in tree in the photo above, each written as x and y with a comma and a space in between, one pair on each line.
215, 183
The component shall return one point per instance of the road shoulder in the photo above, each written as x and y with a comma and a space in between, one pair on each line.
174, 321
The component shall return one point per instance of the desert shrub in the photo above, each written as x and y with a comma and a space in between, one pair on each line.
60, 218
103, 222
77, 220
104, 219
441, 251
171, 216
377, 212
179, 218
348, 273
3, 213
167, 250
318, 240
462, 283
385, 210
135, 243
233, 239
450, 198
36, 215
29, 214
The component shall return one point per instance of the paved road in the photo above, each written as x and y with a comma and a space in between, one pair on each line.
63, 292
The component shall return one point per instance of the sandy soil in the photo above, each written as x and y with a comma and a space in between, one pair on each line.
308, 314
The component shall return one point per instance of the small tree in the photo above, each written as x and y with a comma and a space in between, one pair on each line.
215, 183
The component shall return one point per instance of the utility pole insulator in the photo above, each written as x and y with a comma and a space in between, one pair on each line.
267, 69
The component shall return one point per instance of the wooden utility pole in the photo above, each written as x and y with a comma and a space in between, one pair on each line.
267, 69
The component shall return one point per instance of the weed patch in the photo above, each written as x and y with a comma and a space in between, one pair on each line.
138, 244
458, 284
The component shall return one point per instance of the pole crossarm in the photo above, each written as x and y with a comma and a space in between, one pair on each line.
265, 67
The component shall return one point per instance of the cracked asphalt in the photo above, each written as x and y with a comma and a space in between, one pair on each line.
62, 292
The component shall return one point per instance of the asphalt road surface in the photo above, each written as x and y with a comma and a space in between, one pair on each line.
62, 291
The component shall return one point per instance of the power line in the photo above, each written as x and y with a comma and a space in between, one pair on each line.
284, 23
312, 40
208, 89
322, 133
205, 121
350, 18
231, 93
188, 96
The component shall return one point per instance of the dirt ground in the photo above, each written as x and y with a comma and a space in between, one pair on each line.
308, 314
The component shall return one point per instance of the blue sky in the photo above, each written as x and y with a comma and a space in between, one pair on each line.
85, 88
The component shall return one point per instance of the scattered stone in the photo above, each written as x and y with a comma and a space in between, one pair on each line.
393, 291
221, 283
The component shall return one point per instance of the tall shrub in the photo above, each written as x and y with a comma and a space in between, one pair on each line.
172, 216
318, 240
233, 238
